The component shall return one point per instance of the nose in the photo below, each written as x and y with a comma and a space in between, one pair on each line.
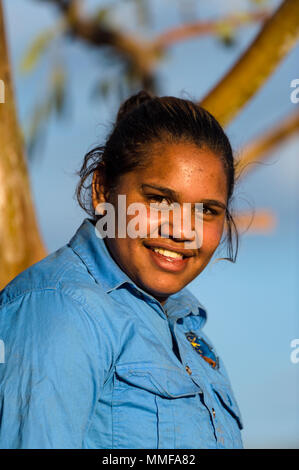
178, 225
182, 225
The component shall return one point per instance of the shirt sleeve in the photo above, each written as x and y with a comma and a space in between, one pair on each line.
52, 373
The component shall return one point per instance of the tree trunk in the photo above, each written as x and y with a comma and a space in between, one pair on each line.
20, 242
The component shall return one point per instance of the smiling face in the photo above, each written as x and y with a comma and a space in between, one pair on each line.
180, 173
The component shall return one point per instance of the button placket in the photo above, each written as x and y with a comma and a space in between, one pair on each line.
215, 419
172, 328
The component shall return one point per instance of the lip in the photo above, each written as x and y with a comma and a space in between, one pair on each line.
165, 262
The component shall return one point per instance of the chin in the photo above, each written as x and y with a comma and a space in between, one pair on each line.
163, 290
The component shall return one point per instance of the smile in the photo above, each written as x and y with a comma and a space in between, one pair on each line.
168, 253
167, 258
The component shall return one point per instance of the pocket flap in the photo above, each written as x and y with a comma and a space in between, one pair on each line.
228, 401
170, 383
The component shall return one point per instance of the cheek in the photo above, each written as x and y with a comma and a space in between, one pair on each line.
212, 233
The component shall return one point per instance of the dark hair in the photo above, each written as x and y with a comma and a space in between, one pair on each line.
144, 119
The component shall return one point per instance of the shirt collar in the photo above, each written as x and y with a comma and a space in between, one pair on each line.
93, 252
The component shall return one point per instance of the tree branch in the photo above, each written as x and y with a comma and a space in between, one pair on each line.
141, 55
246, 77
261, 147
199, 28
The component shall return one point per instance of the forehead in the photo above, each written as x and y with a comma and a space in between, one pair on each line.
189, 170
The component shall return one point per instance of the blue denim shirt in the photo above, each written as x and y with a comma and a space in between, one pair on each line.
93, 361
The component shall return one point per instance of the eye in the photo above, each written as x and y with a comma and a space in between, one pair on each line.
160, 202
206, 210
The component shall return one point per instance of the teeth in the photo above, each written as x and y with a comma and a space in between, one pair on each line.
169, 254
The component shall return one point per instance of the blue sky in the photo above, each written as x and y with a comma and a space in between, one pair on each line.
253, 304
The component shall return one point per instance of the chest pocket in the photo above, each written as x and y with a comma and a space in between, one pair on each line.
158, 407
229, 402
166, 382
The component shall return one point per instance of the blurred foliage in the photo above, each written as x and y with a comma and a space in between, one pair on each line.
102, 15
53, 104
143, 15
260, 2
226, 33
120, 78
36, 50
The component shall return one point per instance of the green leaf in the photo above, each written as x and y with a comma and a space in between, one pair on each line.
259, 2
53, 102
225, 33
104, 88
37, 125
36, 50
58, 82
102, 15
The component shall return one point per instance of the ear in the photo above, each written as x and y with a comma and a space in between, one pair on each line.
98, 189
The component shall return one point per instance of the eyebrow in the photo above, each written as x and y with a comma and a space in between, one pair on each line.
167, 191
175, 195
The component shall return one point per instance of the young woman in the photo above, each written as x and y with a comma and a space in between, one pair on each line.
104, 345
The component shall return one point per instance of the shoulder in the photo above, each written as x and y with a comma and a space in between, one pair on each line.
46, 275
60, 278
58, 300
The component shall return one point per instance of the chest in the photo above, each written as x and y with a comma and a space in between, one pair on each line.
154, 398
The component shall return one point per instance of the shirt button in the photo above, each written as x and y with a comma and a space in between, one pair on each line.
188, 370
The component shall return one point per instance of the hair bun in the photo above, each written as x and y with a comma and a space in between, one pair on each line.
133, 102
